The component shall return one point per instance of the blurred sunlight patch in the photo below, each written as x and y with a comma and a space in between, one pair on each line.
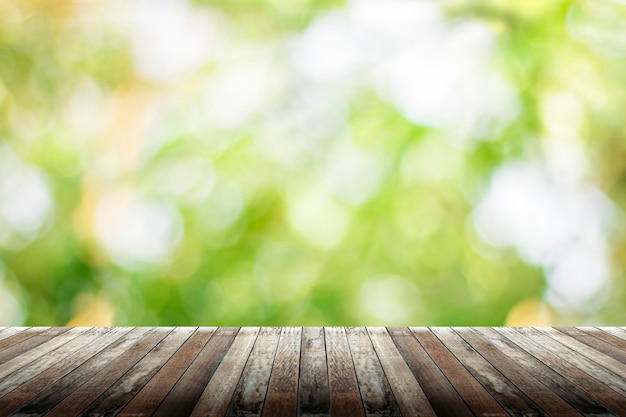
327, 162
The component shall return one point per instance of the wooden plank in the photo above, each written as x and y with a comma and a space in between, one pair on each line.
185, 394
614, 331
473, 393
313, 391
561, 386
63, 387
43, 344
30, 341
597, 389
586, 350
11, 331
440, 393
605, 336
18, 337
60, 368
282, 393
508, 395
250, 393
408, 393
22, 368
613, 380
153, 393
296, 371
535, 389
78, 400
217, 394
119, 394
376, 393
345, 399
599, 341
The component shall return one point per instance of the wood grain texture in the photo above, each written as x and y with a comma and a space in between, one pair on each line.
250, 393
555, 382
153, 393
282, 393
217, 394
508, 395
440, 393
23, 368
78, 400
408, 393
614, 380
597, 389
473, 393
28, 341
14, 338
313, 391
590, 352
605, 336
378, 400
185, 394
614, 331
59, 390
599, 342
312, 371
55, 373
345, 398
10, 331
119, 394
529, 384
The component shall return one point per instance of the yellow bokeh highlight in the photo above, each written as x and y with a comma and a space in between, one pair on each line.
529, 312
91, 311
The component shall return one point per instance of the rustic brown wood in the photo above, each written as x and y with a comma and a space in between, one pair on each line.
606, 336
183, 397
282, 393
29, 341
313, 394
10, 331
217, 394
409, 395
376, 393
561, 386
507, 394
21, 394
153, 393
58, 391
587, 351
534, 388
472, 392
612, 379
442, 396
614, 331
597, 389
345, 399
118, 395
312, 371
45, 356
250, 392
597, 342
14, 338
78, 400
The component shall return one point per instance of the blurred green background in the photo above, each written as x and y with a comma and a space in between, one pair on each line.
312, 162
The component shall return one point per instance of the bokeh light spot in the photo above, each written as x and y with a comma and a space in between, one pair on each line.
26, 203
135, 230
316, 216
390, 300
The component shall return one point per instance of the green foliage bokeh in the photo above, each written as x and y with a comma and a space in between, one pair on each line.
132, 196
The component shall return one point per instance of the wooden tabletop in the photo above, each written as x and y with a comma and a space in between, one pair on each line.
312, 371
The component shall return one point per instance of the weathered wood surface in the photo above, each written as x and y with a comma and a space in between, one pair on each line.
312, 371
